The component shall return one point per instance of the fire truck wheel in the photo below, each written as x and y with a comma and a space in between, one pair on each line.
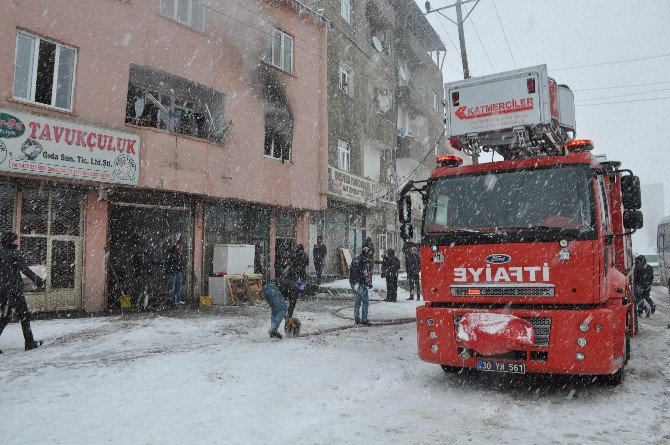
452, 369
637, 326
617, 377
627, 357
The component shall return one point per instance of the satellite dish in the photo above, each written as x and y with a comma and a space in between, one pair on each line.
377, 44
384, 103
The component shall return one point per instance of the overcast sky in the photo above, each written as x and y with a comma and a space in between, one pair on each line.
570, 33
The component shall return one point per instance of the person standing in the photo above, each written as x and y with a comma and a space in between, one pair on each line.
301, 262
288, 283
12, 264
175, 263
277, 304
143, 262
413, 268
643, 279
258, 260
370, 246
360, 279
319, 253
391, 267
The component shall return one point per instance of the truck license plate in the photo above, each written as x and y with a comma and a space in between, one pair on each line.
488, 365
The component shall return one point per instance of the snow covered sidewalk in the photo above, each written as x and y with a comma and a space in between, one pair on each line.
217, 378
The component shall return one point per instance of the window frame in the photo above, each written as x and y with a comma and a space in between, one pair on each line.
269, 57
34, 68
343, 154
189, 13
347, 89
346, 7
281, 158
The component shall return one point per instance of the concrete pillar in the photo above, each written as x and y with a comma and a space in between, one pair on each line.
96, 229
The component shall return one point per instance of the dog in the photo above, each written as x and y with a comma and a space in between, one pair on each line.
292, 327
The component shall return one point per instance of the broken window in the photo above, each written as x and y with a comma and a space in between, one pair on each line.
279, 52
343, 155
44, 71
188, 12
345, 80
278, 131
162, 100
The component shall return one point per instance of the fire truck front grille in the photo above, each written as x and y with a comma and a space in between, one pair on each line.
546, 290
541, 329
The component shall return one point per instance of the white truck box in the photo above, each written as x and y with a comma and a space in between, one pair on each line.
493, 108
233, 259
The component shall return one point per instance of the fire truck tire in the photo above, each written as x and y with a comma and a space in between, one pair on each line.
452, 369
618, 377
637, 326
627, 357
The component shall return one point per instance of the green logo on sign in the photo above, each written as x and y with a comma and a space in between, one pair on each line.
10, 126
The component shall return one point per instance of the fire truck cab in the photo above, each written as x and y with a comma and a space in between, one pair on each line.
526, 263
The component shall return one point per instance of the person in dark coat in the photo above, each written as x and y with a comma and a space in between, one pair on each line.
391, 267
12, 264
301, 260
143, 263
643, 279
175, 264
413, 267
258, 260
319, 253
370, 246
360, 279
288, 282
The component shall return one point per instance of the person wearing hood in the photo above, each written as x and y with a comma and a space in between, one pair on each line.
643, 276
12, 264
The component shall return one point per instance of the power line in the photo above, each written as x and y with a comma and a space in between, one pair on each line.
623, 95
624, 101
509, 48
623, 86
482, 43
611, 63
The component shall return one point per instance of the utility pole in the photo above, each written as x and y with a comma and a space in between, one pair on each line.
460, 20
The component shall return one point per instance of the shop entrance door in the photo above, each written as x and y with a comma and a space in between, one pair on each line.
51, 241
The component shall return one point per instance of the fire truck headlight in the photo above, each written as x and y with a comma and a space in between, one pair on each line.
432, 335
563, 243
579, 357
434, 348
431, 322
581, 342
584, 327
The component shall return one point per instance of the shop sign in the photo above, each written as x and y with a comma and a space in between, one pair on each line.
349, 187
41, 145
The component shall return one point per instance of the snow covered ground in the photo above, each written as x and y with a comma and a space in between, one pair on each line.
217, 377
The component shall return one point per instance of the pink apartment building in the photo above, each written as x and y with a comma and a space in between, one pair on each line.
133, 123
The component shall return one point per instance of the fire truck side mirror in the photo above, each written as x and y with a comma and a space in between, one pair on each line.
633, 219
405, 209
406, 232
631, 193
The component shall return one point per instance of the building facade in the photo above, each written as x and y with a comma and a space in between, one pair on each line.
181, 121
385, 112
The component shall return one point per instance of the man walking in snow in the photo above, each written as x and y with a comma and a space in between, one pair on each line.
319, 253
360, 279
12, 299
643, 279
391, 266
175, 263
277, 304
413, 267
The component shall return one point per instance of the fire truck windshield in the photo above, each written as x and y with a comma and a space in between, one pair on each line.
554, 202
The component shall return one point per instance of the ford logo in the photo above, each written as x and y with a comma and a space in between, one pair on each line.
498, 258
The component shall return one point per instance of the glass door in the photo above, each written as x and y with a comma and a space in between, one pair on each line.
51, 241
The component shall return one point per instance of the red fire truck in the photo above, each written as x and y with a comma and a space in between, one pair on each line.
526, 263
